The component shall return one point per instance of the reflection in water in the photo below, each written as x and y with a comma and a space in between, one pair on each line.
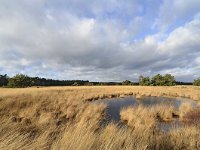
114, 106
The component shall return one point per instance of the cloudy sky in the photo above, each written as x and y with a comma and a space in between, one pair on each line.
100, 40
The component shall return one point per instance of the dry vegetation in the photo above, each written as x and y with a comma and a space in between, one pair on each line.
139, 116
64, 118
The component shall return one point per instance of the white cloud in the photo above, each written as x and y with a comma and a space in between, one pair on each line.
176, 11
48, 40
183, 39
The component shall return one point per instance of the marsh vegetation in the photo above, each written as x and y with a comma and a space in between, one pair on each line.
164, 112
66, 118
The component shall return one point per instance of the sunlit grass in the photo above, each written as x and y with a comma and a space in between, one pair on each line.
64, 118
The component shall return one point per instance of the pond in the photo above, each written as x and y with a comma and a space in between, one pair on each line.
114, 106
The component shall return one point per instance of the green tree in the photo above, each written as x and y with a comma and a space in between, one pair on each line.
169, 80
144, 81
157, 80
20, 80
166, 80
196, 82
126, 82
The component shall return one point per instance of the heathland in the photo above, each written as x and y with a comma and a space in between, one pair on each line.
65, 118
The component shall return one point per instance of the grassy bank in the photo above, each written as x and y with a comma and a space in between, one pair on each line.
64, 118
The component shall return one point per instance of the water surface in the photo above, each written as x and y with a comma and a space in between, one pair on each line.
114, 105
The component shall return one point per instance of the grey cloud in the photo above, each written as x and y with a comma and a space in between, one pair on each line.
37, 40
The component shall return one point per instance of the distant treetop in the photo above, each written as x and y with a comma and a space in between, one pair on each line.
157, 80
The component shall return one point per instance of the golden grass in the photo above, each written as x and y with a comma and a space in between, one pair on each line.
184, 109
63, 118
147, 117
138, 116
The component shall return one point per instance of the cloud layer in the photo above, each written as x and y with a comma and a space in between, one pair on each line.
100, 40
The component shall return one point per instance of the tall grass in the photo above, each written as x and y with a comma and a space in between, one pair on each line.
139, 116
63, 118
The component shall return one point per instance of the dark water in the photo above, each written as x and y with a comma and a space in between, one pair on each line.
115, 105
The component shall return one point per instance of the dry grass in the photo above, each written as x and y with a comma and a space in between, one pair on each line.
63, 118
147, 117
192, 117
185, 108
138, 116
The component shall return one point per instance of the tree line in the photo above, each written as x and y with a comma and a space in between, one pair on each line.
158, 80
21, 80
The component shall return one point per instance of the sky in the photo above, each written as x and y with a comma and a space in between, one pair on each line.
100, 40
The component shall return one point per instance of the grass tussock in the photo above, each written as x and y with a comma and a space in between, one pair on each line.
139, 116
184, 109
63, 118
